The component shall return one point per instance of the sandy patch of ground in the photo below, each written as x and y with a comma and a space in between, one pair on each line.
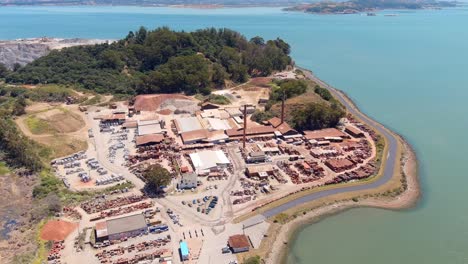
180, 105
261, 81
245, 94
152, 102
62, 128
60, 120
57, 230
165, 112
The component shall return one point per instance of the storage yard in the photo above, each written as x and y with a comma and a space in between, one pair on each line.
222, 165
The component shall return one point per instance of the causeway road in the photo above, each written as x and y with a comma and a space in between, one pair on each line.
390, 157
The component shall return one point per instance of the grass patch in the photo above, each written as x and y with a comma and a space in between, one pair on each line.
61, 146
51, 93
281, 218
55, 120
218, 99
93, 100
213, 98
3, 168
38, 126
41, 252
252, 260
51, 184
23, 258
121, 97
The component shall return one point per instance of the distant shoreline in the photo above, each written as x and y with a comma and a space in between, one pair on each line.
191, 6
288, 232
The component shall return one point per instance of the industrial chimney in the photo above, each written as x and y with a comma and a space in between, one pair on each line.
245, 126
282, 109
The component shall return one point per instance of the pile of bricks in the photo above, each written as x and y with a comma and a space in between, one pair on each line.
126, 210
106, 256
54, 253
71, 213
101, 204
361, 173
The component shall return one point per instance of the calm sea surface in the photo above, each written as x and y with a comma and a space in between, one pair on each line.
410, 72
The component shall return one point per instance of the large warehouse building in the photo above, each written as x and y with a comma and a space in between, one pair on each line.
209, 160
115, 229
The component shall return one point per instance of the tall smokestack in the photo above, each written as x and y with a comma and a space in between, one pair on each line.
282, 109
245, 126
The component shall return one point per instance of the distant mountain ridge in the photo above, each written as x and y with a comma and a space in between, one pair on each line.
357, 6
158, 2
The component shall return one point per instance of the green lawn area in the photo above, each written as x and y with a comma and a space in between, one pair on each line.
38, 126
3, 168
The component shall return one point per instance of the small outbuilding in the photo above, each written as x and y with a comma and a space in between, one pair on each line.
188, 181
257, 156
239, 243
208, 106
184, 251
354, 132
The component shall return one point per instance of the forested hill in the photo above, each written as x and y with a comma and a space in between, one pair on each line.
159, 61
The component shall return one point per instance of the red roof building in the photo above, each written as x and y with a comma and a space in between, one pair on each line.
239, 243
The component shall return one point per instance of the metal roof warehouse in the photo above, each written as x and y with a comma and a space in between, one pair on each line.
186, 124
149, 127
118, 228
208, 159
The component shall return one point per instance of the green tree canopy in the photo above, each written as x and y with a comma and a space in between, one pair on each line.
317, 116
289, 88
159, 60
156, 177
324, 93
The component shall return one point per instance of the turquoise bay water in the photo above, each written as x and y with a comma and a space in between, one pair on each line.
410, 72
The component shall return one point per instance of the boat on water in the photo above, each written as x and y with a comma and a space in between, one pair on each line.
371, 14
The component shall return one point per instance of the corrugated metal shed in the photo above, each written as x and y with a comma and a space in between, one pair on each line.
126, 224
218, 124
185, 124
207, 159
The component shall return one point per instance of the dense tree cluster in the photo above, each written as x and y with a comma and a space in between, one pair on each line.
288, 88
156, 177
260, 116
161, 60
317, 116
324, 93
15, 148
19, 150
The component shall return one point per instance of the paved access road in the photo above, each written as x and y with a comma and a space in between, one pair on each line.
388, 170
